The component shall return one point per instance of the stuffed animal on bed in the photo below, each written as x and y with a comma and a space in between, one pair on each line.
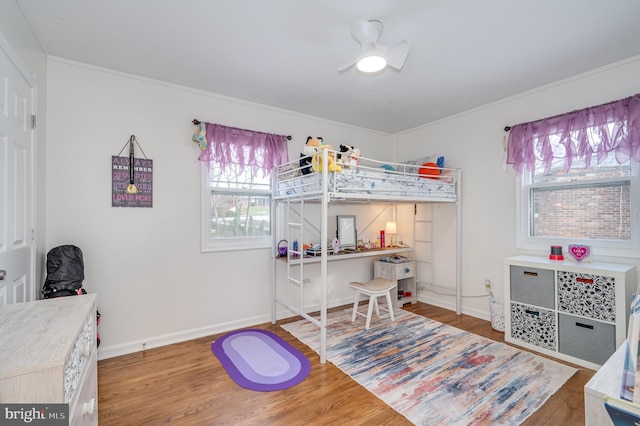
343, 156
354, 158
316, 160
311, 148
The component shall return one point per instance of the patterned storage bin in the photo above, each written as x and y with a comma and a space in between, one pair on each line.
591, 296
534, 325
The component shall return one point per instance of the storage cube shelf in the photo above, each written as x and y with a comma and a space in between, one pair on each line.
572, 311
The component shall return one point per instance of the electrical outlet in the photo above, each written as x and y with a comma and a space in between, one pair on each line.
487, 284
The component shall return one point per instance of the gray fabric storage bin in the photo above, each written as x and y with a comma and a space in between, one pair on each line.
586, 339
533, 286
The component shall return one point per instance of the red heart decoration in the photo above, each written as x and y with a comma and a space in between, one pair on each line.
579, 252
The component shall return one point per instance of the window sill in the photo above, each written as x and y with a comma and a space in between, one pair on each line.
543, 249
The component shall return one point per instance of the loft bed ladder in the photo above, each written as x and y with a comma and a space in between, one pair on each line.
295, 232
423, 244
299, 281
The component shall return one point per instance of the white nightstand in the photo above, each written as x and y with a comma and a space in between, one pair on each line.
404, 274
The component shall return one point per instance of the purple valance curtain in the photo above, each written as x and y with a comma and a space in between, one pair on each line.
600, 130
256, 150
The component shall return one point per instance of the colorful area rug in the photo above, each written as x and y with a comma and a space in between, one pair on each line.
260, 360
433, 373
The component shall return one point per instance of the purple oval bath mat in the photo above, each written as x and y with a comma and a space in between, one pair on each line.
260, 360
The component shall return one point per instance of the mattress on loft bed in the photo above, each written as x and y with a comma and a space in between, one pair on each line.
370, 182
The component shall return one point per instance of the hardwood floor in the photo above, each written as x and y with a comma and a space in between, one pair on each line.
184, 384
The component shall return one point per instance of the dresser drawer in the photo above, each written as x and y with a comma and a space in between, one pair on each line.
533, 325
532, 286
586, 339
394, 271
79, 357
588, 295
83, 409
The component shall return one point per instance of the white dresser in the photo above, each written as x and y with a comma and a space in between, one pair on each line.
48, 355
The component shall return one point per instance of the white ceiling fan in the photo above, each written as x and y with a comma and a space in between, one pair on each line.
374, 56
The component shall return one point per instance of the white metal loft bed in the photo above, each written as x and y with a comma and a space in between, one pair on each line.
364, 180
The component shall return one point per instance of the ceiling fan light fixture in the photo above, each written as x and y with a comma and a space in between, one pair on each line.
375, 56
371, 63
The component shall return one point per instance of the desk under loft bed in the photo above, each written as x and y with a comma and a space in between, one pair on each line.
366, 181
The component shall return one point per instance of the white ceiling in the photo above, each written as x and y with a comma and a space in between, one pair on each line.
285, 53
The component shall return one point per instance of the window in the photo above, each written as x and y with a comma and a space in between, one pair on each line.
236, 189
238, 209
588, 205
578, 181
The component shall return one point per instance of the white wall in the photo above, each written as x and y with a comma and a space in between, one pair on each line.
154, 285
473, 141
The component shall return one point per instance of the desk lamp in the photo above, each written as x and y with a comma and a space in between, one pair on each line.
391, 229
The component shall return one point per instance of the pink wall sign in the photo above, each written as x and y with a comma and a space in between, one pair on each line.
143, 180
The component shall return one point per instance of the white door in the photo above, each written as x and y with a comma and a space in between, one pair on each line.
17, 155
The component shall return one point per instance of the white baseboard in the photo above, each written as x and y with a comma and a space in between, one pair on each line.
106, 351
441, 302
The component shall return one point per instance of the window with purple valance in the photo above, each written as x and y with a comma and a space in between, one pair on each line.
258, 151
597, 132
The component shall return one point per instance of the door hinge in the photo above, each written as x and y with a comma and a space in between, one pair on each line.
33, 122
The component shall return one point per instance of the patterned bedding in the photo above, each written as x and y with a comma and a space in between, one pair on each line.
371, 184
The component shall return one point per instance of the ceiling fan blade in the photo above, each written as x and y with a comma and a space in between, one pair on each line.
396, 54
365, 33
345, 67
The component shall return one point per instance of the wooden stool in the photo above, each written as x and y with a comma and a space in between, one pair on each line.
374, 289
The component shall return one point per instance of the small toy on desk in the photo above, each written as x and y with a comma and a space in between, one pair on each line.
282, 248
314, 250
336, 246
556, 253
